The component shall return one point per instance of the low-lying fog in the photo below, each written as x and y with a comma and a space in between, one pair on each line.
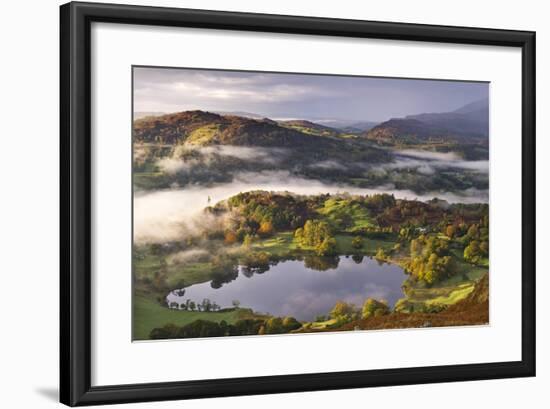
429, 162
165, 215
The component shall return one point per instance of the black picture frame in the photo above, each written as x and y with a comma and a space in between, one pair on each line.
76, 202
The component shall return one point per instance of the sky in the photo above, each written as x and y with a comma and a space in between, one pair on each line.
304, 96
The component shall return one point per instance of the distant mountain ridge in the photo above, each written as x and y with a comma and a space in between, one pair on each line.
469, 123
349, 126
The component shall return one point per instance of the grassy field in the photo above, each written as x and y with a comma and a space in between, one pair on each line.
473, 272
148, 315
441, 294
335, 211
317, 325
178, 275
370, 246
283, 243
202, 135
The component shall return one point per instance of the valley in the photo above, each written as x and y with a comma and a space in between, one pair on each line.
252, 225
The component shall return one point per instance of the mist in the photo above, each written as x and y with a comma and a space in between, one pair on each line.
205, 156
169, 215
429, 163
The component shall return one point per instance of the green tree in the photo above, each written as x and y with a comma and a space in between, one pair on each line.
431, 271
381, 254
274, 326
166, 332
313, 233
472, 252
374, 308
430, 261
290, 324
342, 309
327, 247
357, 242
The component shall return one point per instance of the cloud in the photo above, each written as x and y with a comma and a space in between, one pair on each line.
269, 93
297, 95
169, 90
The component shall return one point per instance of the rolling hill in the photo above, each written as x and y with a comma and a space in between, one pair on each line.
200, 128
199, 147
310, 128
468, 124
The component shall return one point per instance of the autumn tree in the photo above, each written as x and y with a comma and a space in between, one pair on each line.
450, 231
266, 228
342, 309
381, 254
230, 237
327, 247
374, 308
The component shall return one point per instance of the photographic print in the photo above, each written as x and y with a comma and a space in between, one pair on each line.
281, 203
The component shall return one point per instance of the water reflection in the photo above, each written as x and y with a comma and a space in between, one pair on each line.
303, 289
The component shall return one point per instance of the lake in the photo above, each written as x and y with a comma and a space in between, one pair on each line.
300, 289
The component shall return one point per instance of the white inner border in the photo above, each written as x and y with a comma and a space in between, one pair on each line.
116, 360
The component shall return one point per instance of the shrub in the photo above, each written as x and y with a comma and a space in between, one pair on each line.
290, 324
374, 308
168, 331
381, 255
342, 309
